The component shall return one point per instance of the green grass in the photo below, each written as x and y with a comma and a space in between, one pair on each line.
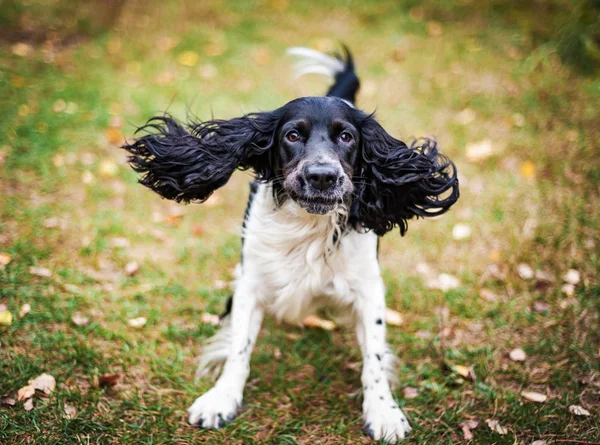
91, 78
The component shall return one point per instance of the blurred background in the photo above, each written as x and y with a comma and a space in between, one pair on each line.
111, 290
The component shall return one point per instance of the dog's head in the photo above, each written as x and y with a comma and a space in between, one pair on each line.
318, 151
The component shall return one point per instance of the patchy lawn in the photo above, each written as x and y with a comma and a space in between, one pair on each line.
508, 90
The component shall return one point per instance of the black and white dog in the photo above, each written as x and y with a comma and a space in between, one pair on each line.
329, 181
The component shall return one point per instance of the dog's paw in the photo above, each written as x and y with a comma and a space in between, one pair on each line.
384, 420
215, 409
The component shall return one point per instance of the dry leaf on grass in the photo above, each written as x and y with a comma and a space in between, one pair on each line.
541, 307
464, 371
494, 425
410, 393
525, 271
25, 392
28, 405
44, 382
188, 58
210, 319
108, 379
538, 442
572, 277
528, 170
480, 151
444, 282
220, 284
488, 295
568, 289
8, 401
6, 318
517, 355
137, 322
5, 259
534, 396
461, 232
578, 410
132, 268
25, 309
40, 272
80, 320
70, 412
393, 318
314, 321
467, 427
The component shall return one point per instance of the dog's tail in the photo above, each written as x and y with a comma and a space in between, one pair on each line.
338, 66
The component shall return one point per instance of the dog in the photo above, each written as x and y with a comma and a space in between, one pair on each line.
329, 181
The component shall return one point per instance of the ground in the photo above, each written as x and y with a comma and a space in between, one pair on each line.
507, 88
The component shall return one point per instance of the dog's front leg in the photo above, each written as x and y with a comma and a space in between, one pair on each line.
222, 402
382, 417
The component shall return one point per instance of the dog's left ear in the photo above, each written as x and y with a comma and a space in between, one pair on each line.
395, 182
188, 162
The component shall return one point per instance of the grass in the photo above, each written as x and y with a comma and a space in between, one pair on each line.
86, 81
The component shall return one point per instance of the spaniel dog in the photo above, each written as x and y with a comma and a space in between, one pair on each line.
329, 182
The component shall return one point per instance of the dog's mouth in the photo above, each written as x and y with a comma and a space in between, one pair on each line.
318, 205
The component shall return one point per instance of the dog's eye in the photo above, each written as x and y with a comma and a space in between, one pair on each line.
293, 136
346, 137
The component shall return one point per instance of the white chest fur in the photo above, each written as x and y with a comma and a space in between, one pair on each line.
293, 265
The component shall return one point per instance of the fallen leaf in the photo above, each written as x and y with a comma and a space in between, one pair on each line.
22, 49
132, 268
479, 151
568, 289
393, 318
410, 393
444, 282
220, 284
528, 170
466, 116
137, 322
578, 410
517, 355
188, 58
6, 318
5, 259
464, 371
538, 442
52, 223
8, 401
25, 392
40, 272
87, 177
277, 354
45, 383
25, 309
314, 321
540, 306
572, 277
210, 319
70, 412
494, 425
525, 271
534, 396
488, 295
120, 242
113, 135
108, 380
467, 427
198, 229
292, 336
28, 405
80, 320
108, 168
461, 232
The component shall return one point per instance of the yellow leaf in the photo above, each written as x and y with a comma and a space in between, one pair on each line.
5, 259
25, 392
188, 58
108, 168
6, 318
528, 170
534, 396
393, 318
462, 370
314, 321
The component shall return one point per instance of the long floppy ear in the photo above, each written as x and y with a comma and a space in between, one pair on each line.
395, 182
187, 162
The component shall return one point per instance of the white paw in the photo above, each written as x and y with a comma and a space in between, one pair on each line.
384, 420
214, 409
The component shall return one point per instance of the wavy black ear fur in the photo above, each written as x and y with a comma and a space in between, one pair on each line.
395, 182
187, 162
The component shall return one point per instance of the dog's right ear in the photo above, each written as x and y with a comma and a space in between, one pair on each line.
188, 162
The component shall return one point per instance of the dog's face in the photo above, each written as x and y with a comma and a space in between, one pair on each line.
317, 145
318, 151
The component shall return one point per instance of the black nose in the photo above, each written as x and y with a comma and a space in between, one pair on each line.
321, 177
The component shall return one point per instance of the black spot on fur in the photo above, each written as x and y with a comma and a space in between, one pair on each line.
379, 321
